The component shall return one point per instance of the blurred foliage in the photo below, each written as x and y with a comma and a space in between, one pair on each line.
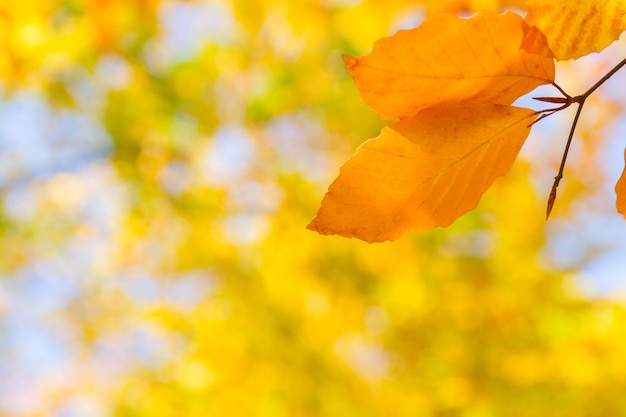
165, 270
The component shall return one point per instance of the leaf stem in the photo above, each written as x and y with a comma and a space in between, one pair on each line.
558, 87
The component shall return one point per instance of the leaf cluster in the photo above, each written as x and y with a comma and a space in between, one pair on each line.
451, 82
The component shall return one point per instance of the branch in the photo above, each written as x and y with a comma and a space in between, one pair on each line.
567, 101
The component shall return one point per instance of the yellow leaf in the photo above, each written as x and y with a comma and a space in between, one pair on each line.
423, 171
620, 189
578, 27
448, 60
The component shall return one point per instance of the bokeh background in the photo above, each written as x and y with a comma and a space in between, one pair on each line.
159, 161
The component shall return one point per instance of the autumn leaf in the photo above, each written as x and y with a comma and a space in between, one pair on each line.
620, 190
449, 60
423, 171
451, 82
577, 28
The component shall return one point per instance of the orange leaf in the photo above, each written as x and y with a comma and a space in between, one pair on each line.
577, 28
451, 82
620, 189
423, 171
448, 60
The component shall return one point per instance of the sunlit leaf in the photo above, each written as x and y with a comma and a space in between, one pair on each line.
423, 171
577, 28
451, 81
448, 60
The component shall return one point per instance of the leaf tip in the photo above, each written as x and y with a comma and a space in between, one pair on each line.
314, 225
350, 61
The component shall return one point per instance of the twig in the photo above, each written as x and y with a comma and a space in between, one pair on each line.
567, 101
559, 176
